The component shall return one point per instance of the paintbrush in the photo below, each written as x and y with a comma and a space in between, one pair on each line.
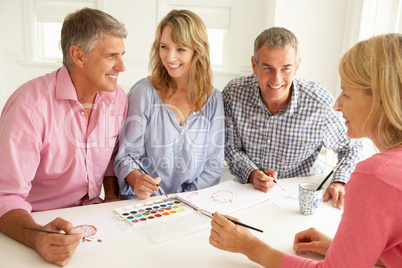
209, 214
143, 170
329, 175
51, 232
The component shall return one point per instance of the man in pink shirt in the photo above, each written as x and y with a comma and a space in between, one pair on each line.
58, 134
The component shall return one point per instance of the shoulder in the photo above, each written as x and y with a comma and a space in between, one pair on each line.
142, 89
314, 91
214, 104
241, 82
36, 91
385, 166
240, 89
215, 97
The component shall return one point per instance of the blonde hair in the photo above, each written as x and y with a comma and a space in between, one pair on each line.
375, 66
187, 30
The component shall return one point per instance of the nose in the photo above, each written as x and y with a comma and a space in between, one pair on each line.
338, 105
171, 55
119, 66
276, 77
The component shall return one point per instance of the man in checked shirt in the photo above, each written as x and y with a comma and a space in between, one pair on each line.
279, 123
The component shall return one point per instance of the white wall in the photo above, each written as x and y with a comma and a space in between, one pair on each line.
320, 26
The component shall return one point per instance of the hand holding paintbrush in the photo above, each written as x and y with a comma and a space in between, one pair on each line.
143, 188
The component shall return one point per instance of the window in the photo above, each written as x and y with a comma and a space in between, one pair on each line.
43, 26
217, 16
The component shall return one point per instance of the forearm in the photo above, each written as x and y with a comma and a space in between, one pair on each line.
263, 254
111, 188
239, 163
11, 225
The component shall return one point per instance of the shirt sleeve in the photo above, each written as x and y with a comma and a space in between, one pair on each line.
213, 166
132, 139
109, 170
20, 144
335, 138
239, 163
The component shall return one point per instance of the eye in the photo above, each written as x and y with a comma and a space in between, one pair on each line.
181, 49
344, 95
163, 47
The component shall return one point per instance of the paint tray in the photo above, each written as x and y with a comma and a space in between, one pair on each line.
163, 220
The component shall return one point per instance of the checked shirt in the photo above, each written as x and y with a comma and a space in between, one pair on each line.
290, 140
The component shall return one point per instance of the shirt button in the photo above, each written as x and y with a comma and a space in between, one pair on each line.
181, 148
178, 161
268, 140
181, 133
82, 113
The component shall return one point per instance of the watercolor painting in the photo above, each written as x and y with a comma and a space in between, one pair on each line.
223, 196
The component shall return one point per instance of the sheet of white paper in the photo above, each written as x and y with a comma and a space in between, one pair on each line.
227, 197
288, 199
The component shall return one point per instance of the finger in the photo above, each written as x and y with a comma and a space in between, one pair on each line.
303, 247
271, 172
264, 184
327, 195
157, 180
341, 200
335, 197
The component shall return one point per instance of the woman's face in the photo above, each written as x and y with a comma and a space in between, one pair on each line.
355, 106
176, 59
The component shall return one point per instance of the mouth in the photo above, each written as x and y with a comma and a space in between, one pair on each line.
174, 66
111, 76
275, 87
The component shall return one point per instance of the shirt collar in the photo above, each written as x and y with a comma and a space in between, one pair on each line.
65, 88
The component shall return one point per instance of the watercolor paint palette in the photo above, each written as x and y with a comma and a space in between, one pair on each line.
162, 220
152, 211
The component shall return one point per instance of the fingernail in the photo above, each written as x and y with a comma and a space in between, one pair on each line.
296, 247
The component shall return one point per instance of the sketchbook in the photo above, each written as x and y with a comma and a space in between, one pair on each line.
226, 198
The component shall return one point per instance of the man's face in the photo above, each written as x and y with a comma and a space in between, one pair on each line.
275, 70
102, 67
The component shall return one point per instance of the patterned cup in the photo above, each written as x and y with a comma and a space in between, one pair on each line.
309, 197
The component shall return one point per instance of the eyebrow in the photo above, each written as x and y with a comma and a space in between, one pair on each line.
114, 54
286, 65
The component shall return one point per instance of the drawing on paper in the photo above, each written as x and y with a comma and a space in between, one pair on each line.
191, 195
87, 230
223, 196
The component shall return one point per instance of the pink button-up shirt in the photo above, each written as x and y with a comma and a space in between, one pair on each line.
50, 157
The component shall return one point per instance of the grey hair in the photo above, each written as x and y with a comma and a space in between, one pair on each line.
84, 27
276, 37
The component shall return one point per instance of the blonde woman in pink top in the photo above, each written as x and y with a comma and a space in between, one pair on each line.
371, 103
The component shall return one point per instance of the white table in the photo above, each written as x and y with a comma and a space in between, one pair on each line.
279, 225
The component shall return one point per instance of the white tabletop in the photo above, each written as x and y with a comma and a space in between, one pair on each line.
135, 250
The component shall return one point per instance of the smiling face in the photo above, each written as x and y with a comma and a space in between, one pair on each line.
102, 67
275, 70
355, 106
176, 59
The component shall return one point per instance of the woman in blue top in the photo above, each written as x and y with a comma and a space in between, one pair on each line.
175, 122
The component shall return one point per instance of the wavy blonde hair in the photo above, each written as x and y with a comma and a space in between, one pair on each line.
375, 66
187, 30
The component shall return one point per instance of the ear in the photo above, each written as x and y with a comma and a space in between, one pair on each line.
77, 55
254, 65
297, 66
